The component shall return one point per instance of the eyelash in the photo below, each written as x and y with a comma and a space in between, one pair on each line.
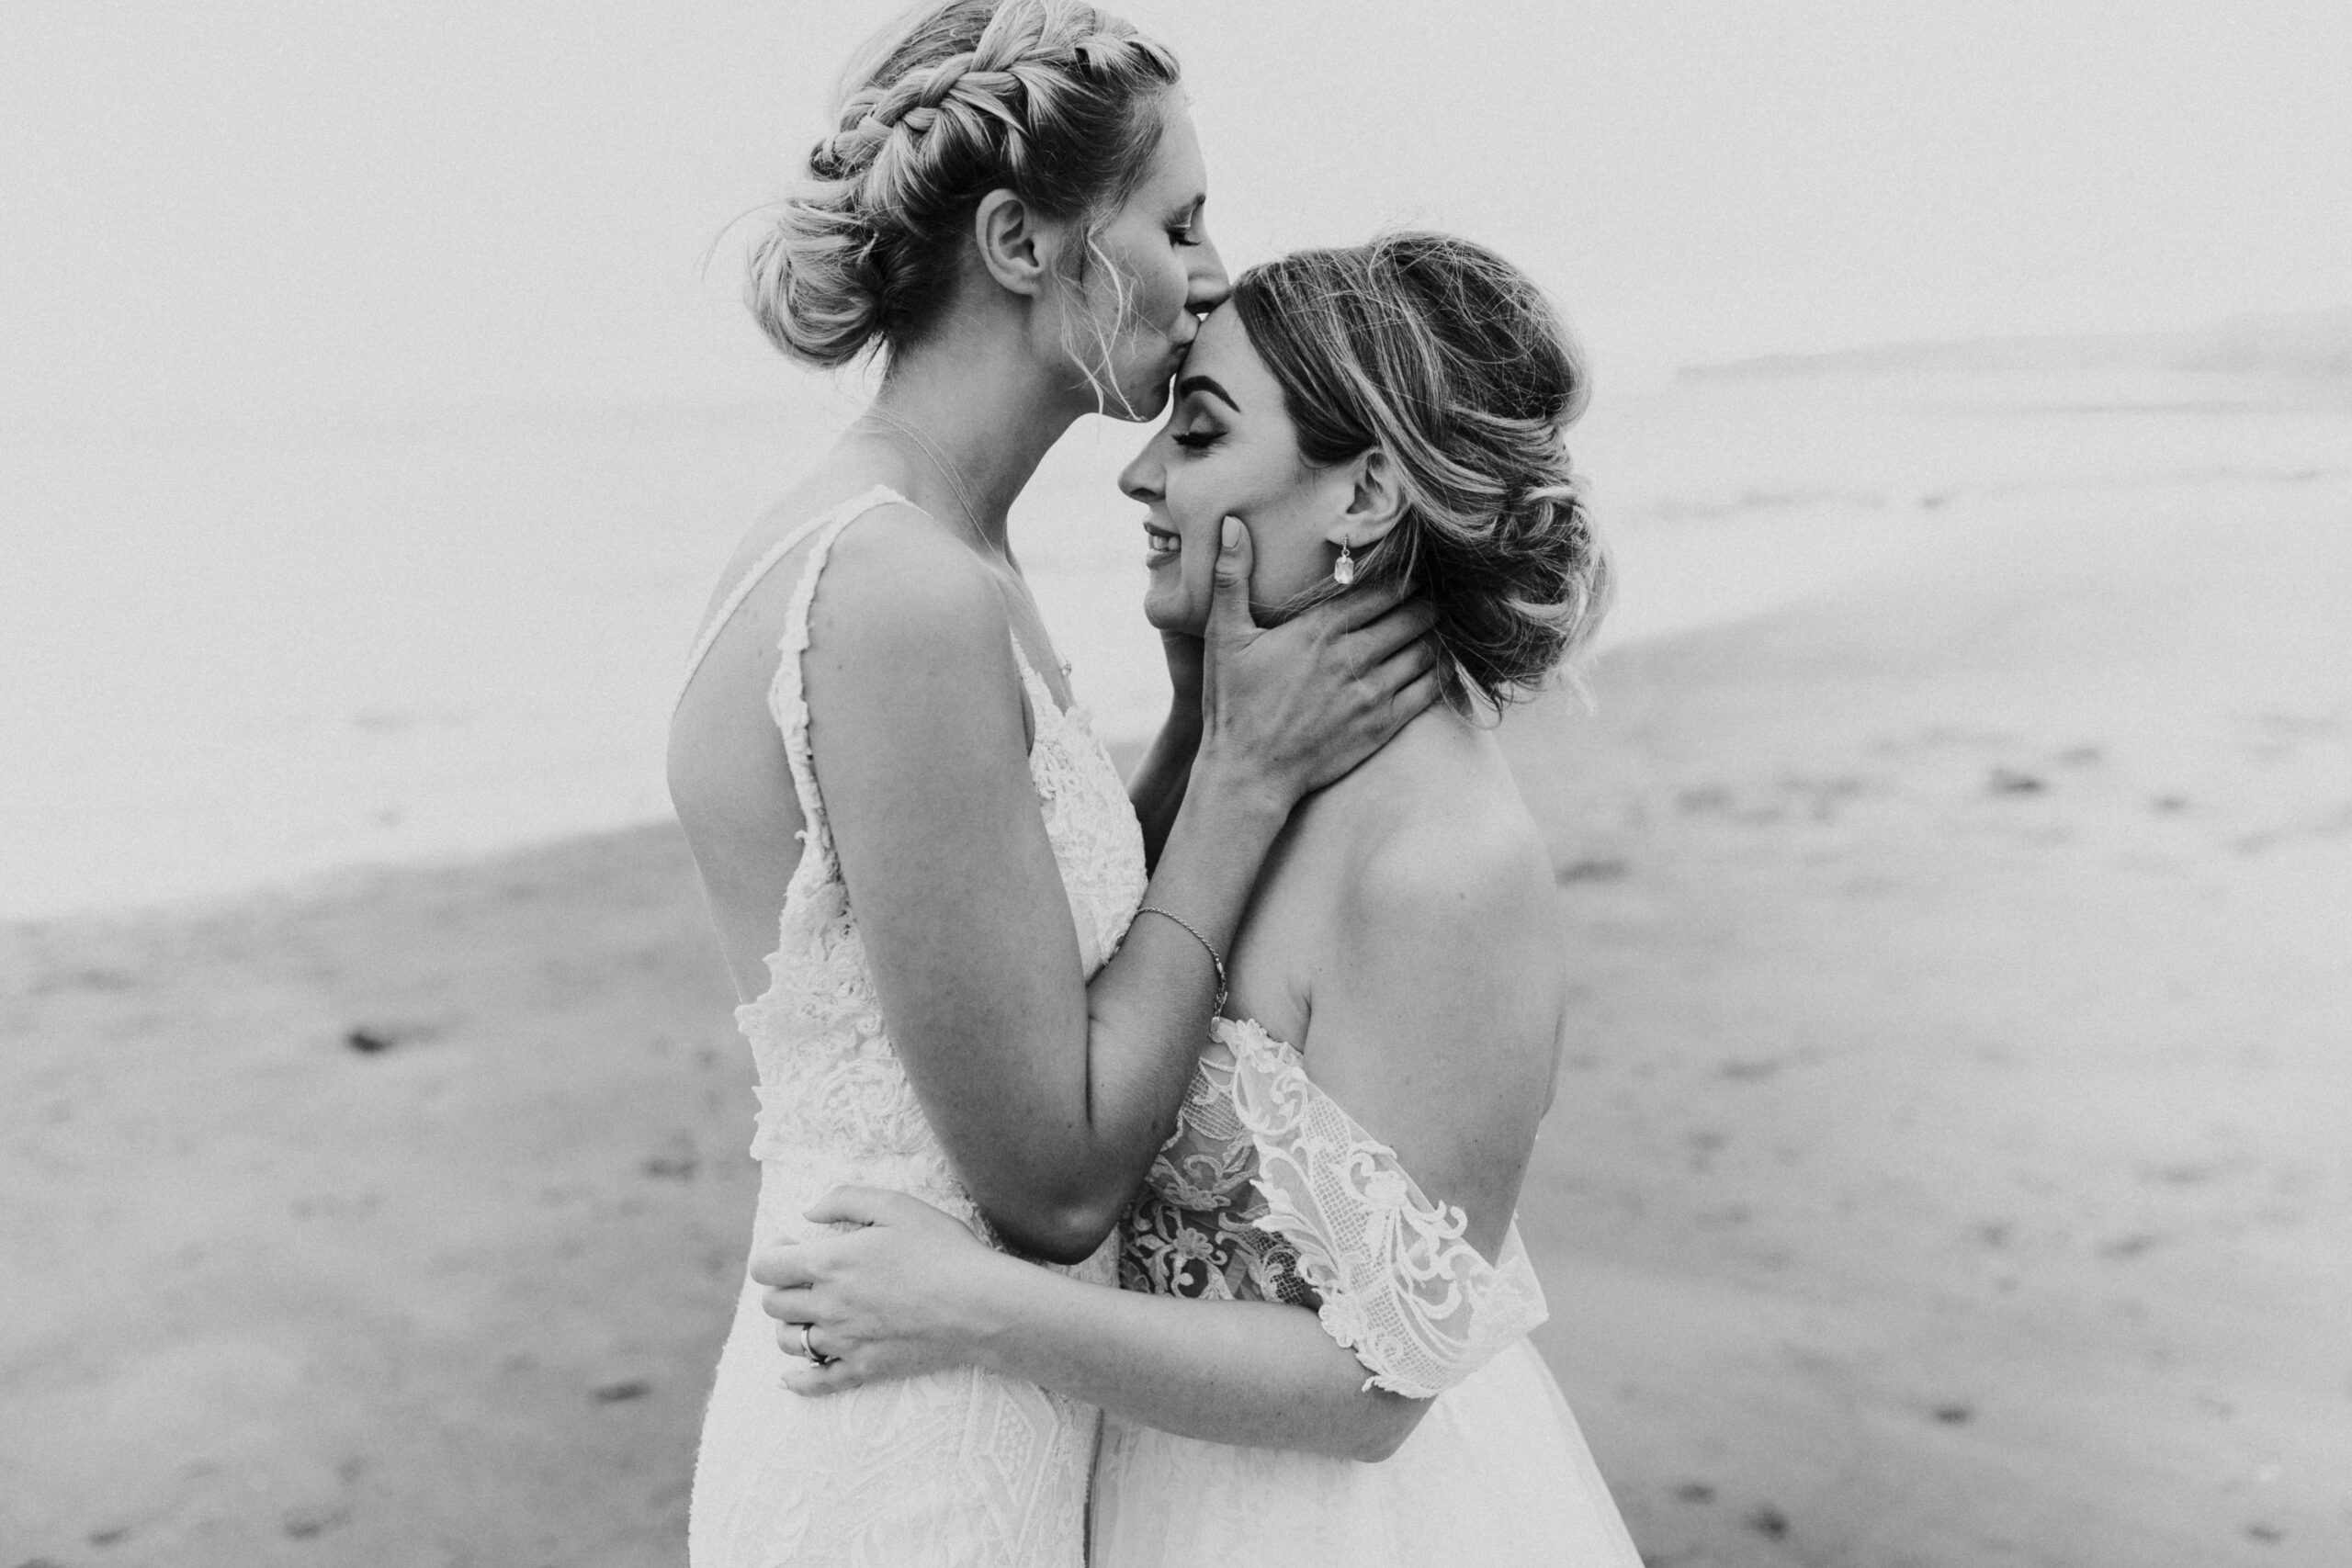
1184, 236
1194, 440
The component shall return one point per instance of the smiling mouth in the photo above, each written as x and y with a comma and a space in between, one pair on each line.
1160, 545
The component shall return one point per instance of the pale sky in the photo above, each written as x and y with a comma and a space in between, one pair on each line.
283, 205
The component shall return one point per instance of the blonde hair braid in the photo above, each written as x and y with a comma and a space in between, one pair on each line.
1041, 96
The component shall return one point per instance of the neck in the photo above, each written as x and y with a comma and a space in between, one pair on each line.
986, 413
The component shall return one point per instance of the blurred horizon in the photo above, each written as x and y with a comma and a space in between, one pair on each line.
2313, 345
379, 399
272, 207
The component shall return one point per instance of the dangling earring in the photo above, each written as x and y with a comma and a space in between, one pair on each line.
1343, 570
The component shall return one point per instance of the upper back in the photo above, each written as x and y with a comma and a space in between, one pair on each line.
730, 778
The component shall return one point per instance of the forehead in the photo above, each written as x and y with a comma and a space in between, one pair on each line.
1224, 352
1177, 173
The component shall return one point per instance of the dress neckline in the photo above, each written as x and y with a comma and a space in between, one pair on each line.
1040, 692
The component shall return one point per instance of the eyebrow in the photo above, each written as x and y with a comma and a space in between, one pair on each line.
1191, 384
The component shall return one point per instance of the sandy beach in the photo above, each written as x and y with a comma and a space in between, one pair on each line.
1952, 1171
1947, 1168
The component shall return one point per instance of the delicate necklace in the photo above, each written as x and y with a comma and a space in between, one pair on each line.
939, 460
954, 478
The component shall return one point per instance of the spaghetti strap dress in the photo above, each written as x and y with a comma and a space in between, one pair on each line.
953, 1470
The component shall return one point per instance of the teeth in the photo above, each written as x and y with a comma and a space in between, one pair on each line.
1164, 544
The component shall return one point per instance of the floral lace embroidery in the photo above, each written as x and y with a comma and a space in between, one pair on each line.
1269, 1192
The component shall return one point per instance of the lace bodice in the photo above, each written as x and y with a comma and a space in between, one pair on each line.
1269, 1191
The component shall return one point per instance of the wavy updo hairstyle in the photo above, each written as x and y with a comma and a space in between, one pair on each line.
1055, 100
1449, 360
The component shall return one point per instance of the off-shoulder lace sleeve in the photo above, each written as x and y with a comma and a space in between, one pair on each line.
1397, 1282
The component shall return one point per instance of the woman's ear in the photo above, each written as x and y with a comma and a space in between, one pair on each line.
1375, 503
1016, 245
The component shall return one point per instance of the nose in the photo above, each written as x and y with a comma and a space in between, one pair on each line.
1145, 478
1206, 285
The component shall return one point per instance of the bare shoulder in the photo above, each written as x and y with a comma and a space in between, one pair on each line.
898, 583
891, 568
1438, 1002
909, 655
1440, 903
1448, 858
1450, 913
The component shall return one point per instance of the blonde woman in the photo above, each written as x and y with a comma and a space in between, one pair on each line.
1321, 1356
925, 874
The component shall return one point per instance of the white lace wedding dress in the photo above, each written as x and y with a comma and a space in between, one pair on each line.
1271, 1191
957, 1470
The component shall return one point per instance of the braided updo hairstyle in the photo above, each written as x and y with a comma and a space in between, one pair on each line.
1052, 99
1452, 361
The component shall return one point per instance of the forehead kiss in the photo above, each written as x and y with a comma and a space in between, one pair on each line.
1220, 370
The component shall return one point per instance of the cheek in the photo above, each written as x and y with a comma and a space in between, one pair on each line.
1198, 493
1147, 399
1292, 560
1157, 291
1169, 288
1286, 526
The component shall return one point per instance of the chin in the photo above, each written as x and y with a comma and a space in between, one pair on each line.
1172, 610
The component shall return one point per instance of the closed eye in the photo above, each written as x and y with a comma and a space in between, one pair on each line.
1194, 440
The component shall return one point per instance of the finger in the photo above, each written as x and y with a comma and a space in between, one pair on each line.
814, 1382
1229, 603
1404, 667
797, 1306
784, 1267
1411, 701
807, 1346
1361, 606
852, 1205
1396, 629
788, 1266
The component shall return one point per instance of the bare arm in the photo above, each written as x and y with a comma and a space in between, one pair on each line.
1257, 1373
1446, 1054
1050, 1094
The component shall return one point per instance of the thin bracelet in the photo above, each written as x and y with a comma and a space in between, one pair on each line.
1205, 945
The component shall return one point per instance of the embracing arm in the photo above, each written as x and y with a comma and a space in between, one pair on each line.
1051, 1094
913, 1291
1257, 1373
